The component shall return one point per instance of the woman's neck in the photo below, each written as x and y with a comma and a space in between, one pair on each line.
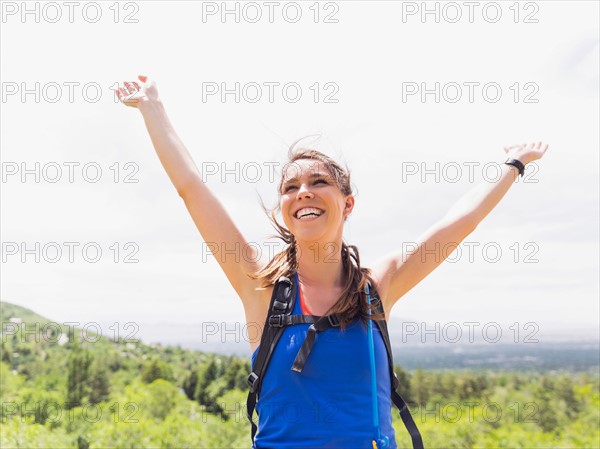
320, 265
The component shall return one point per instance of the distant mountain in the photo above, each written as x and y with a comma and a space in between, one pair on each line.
532, 351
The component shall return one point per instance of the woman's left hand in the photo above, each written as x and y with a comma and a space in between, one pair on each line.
526, 152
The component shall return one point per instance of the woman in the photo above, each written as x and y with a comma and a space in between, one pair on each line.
325, 403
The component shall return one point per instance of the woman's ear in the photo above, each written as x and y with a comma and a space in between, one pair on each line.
349, 206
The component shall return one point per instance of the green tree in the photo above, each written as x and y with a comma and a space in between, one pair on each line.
468, 386
207, 374
190, 384
78, 375
236, 374
160, 399
545, 401
6, 353
82, 443
564, 391
156, 369
420, 387
99, 384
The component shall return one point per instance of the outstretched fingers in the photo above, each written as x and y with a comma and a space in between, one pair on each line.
129, 86
126, 93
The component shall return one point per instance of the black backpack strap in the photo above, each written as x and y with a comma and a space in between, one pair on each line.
324, 322
407, 418
289, 320
282, 302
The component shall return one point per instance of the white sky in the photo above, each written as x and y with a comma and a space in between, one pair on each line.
368, 54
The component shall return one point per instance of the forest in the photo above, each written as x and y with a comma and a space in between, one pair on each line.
60, 390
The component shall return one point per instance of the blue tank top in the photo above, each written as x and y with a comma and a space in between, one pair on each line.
329, 404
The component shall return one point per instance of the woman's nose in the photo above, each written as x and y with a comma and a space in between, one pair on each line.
303, 191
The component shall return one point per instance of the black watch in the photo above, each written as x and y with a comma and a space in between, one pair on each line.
516, 163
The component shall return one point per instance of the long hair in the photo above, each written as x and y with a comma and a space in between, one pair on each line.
353, 300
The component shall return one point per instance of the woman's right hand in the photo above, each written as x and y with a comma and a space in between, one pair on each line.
134, 95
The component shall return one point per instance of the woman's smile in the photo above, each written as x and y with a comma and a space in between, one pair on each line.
310, 217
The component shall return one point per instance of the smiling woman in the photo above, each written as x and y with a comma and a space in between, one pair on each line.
325, 276
324, 384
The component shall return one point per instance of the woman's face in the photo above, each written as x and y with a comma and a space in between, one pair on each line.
308, 184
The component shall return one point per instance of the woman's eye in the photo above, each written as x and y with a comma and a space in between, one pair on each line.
293, 187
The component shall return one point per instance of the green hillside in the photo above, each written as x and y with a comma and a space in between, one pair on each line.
64, 388
8, 311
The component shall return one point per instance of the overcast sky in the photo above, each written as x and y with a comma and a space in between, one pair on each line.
366, 57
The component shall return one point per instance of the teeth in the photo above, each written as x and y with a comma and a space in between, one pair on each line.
308, 210
308, 216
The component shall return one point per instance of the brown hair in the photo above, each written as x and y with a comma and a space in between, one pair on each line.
353, 301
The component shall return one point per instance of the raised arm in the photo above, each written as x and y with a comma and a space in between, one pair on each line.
212, 220
398, 272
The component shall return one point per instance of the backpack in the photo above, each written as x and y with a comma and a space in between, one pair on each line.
280, 309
